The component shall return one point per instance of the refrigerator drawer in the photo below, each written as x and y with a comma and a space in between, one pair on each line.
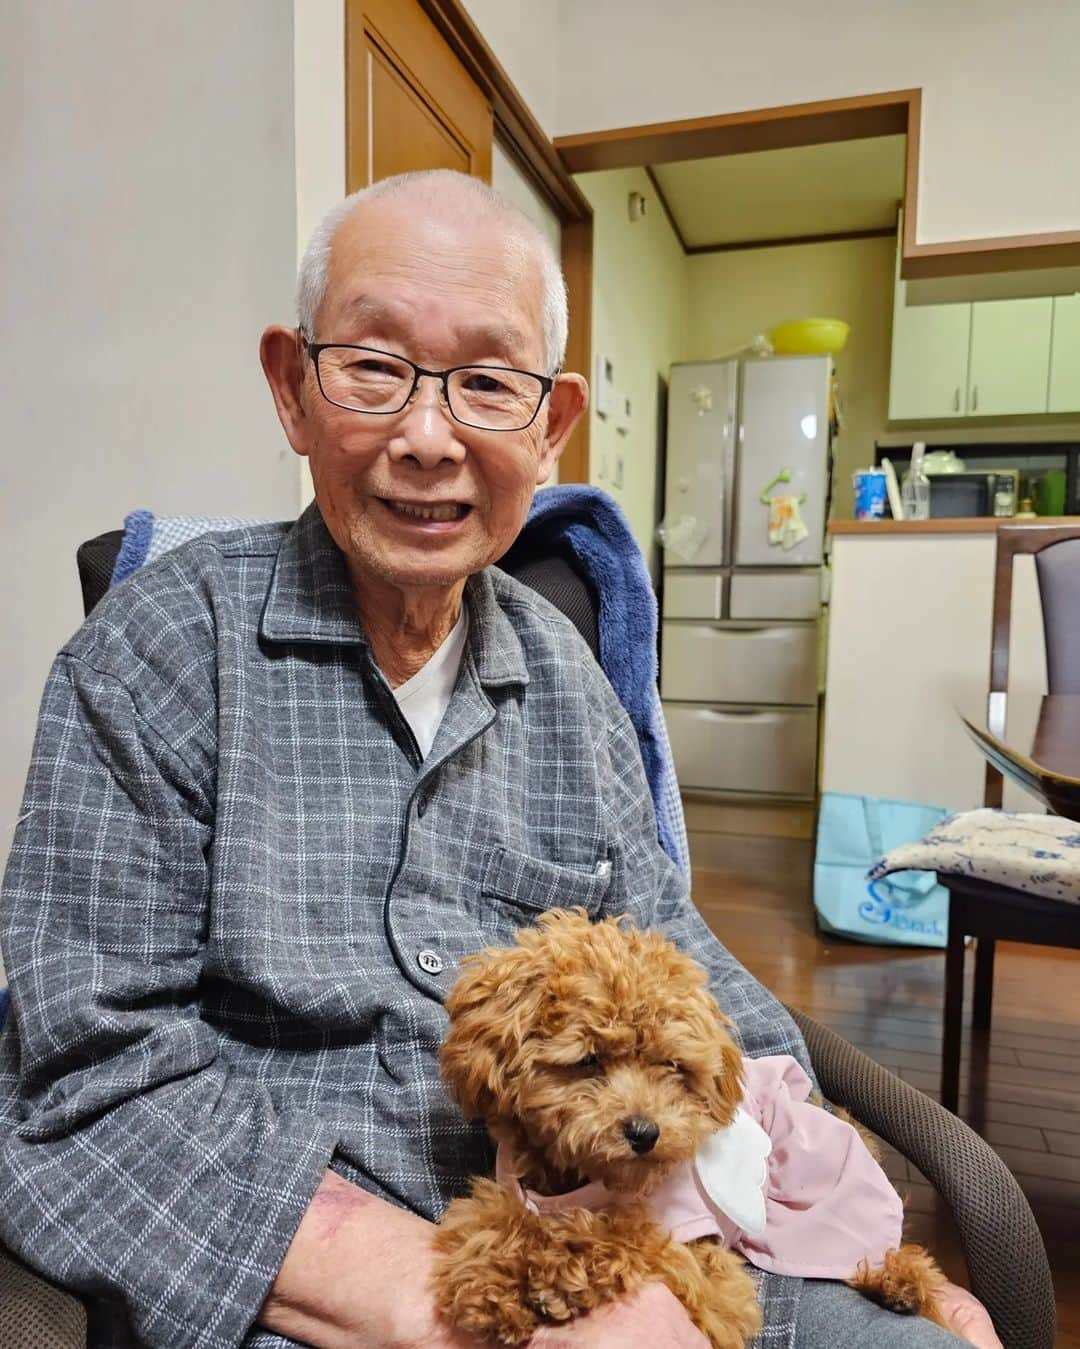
693, 594
774, 595
770, 751
710, 663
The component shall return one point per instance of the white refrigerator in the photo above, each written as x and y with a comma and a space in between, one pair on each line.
746, 501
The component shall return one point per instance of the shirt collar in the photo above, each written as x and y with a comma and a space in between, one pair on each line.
310, 599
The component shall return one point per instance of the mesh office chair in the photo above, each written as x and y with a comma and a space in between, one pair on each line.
1002, 1245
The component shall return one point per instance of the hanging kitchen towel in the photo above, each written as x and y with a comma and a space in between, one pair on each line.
909, 907
787, 528
1039, 854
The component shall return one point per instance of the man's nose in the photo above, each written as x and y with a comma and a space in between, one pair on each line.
425, 431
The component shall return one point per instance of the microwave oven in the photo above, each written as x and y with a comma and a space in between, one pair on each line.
975, 493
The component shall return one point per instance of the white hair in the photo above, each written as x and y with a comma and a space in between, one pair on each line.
436, 186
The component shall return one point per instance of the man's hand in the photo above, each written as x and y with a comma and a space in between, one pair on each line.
652, 1318
968, 1318
358, 1276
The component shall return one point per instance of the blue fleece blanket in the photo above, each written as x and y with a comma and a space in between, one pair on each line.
590, 524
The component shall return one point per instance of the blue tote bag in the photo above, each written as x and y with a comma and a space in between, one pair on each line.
908, 907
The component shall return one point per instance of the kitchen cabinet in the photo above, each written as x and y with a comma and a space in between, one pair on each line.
990, 358
929, 367
1065, 355
1010, 356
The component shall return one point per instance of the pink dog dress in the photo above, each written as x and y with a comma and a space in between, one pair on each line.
790, 1187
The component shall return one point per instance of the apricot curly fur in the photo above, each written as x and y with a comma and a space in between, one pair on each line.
909, 1280
555, 1043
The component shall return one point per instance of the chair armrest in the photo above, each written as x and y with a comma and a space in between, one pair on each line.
34, 1314
1003, 1247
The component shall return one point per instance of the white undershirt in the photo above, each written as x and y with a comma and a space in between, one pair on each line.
424, 698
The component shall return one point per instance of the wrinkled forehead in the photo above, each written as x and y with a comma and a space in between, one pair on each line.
466, 279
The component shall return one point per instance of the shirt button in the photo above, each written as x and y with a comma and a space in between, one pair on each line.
430, 962
422, 805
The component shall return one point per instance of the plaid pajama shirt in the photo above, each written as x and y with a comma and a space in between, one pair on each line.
236, 897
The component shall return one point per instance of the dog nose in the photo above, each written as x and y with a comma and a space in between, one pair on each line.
641, 1133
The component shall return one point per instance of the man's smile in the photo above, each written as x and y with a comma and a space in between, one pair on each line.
429, 513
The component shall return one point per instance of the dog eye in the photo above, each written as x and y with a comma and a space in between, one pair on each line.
589, 1064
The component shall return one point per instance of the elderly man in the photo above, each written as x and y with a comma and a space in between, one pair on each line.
284, 778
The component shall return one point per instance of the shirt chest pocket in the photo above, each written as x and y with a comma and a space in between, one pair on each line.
535, 884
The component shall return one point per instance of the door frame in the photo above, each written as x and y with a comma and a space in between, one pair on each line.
838, 119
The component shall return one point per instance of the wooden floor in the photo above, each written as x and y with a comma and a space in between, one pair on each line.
1022, 1092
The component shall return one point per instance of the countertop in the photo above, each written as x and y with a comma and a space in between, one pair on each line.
975, 525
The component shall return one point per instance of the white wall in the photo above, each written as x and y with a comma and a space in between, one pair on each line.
524, 35
639, 307
909, 644
1001, 99
148, 158
319, 114
319, 104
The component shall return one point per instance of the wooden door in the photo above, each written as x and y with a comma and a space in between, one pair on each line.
1065, 356
1010, 356
409, 102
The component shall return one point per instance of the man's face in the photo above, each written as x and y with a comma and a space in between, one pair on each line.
441, 292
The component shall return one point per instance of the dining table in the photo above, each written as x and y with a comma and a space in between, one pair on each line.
1034, 740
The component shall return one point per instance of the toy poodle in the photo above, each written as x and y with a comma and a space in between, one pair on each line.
635, 1144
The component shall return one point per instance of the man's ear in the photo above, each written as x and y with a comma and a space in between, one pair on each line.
283, 365
567, 402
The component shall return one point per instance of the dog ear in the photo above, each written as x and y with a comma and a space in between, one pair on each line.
496, 998
724, 1082
707, 1048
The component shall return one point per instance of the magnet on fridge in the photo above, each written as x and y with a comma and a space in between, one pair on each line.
701, 396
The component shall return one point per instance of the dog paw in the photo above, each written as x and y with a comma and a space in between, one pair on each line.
908, 1281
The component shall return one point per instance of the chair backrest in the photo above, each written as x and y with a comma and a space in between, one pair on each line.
1059, 585
96, 559
1056, 549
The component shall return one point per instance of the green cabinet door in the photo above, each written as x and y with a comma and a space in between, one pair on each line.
1065, 355
928, 371
1010, 356
928, 375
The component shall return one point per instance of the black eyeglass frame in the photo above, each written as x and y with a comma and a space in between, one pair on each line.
313, 349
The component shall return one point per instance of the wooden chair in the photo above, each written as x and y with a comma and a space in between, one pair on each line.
985, 911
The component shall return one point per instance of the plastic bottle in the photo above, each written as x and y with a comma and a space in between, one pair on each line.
916, 493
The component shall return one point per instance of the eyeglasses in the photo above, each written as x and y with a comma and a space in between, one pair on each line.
380, 383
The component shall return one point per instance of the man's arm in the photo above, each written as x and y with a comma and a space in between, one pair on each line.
357, 1277
135, 1162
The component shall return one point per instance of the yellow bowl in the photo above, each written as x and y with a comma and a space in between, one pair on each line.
809, 337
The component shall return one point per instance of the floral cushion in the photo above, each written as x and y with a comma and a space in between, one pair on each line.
1039, 854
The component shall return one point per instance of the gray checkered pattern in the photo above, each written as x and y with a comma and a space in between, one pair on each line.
170, 531
228, 862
